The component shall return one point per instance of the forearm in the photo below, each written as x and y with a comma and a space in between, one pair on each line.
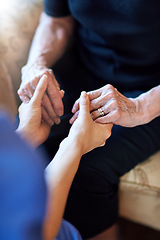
149, 105
59, 175
50, 41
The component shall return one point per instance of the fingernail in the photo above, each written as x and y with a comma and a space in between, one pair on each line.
60, 113
71, 121
82, 93
73, 109
51, 123
45, 76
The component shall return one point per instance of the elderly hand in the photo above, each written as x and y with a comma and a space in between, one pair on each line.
88, 133
108, 105
52, 106
31, 126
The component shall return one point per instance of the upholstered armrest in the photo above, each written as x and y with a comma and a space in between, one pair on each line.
7, 99
140, 193
19, 20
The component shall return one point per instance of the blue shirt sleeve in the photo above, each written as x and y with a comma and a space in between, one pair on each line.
56, 8
68, 232
22, 187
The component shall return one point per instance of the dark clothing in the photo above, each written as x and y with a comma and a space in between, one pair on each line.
116, 42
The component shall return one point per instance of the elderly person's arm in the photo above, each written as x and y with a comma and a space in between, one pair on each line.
107, 105
49, 43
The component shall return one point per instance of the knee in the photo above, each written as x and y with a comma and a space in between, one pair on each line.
92, 181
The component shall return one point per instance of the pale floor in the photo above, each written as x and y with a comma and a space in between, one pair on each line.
133, 231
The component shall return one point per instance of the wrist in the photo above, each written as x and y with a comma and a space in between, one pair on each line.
37, 65
73, 143
27, 136
144, 113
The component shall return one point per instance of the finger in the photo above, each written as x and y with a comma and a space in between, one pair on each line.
97, 103
22, 95
55, 81
74, 117
75, 107
40, 90
34, 82
46, 118
49, 73
62, 92
28, 90
84, 103
110, 96
98, 113
84, 107
109, 118
24, 98
50, 110
94, 94
55, 98
106, 110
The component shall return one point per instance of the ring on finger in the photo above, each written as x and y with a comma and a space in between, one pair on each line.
100, 111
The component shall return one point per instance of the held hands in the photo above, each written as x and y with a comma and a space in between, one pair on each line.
31, 126
85, 131
52, 106
108, 105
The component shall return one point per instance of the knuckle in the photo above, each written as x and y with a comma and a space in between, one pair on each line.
112, 94
49, 73
34, 82
109, 87
119, 113
19, 91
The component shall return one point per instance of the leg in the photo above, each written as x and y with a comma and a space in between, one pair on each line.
93, 200
111, 234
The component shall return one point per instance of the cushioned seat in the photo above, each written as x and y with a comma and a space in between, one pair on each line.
140, 188
140, 193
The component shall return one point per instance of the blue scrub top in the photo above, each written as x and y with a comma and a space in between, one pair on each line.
23, 190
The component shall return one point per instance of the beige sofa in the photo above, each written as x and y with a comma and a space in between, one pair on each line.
140, 188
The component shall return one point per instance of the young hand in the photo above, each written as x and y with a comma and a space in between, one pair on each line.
88, 133
31, 126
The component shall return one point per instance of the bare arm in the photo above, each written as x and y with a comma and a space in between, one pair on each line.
120, 110
50, 40
149, 105
49, 43
83, 137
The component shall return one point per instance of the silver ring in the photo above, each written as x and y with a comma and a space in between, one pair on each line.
100, 112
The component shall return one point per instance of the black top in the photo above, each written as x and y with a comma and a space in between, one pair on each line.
118, 40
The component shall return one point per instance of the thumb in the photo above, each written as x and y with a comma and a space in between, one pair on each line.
84, 104
40, 90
